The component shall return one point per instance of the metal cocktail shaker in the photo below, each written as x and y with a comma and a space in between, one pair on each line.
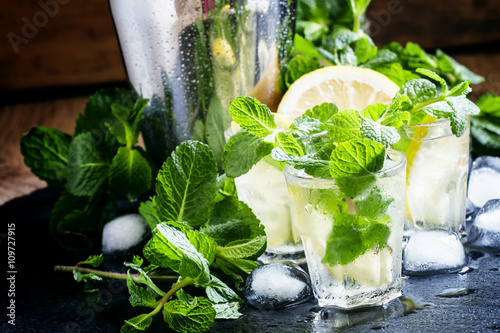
192, 57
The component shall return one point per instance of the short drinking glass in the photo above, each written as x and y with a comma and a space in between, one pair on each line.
352, 230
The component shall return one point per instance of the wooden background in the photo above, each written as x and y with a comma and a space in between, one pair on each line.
55, 53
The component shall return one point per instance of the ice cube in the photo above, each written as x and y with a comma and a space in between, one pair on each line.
433, 251
484, 180
123, 233
277, 285
485, 230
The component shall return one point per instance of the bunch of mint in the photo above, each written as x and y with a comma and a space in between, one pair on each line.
98, 164
329, 33
357, 139
485, 127
202, 234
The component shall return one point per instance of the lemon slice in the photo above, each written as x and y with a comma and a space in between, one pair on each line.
348, 87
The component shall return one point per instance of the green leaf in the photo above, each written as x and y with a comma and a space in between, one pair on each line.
242, 151
124, 125
148, 210
305, 46
342, 37
485, 135
45, 152
298, 66
432, 75
489, 104
217, 122
252, 116
344, 126
140, 296
203, 244
242, 249
448, 65
129, 173
236, 269
382, 58
356, 157
144, 278
91, 281
229, 310
93, 260
371, 130
76, 220
289, 145
87, 167
219, 292
315, 165
374, 204
322, 112
232, 220
187, 184
418, 90
352, 236
171, 248
305, 126
140, 323
226, 188
182, 317
365, 49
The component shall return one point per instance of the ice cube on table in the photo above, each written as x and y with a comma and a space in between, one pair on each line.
484, 180
485, 230
432, 252
123, 233
277, 285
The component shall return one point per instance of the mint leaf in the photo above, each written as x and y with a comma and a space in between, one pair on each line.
418, 90
91, 280
286, 142
45, 152
365, 49
87, 167
187, 184
387, 136
226, 188
228, 310
352, 236
322, 112
382, 58
144, 278
203, 244
252, 116
242, 151
93, 260
461, 73
236, 269
489, 104
129, 173
196, 316
298, 66
374, 111
219, 292
125, 124
485, 135
356, 157
242, 249
140, 323
232, 220
75, 218
171, 248
305, 125
314, 165
140, 296
148, 210
217, 122
374, 204
344, 126
305, 46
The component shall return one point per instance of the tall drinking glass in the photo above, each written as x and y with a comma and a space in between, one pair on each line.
192, 57
352, 231
436, 188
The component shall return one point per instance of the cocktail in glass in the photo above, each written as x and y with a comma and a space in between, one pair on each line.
352, 231
436, 185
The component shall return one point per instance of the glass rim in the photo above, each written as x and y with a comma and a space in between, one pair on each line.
435, 123
400, 164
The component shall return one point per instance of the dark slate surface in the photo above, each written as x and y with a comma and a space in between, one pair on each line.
48, 301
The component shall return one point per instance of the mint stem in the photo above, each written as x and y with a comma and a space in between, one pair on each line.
117, 276
169, 294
